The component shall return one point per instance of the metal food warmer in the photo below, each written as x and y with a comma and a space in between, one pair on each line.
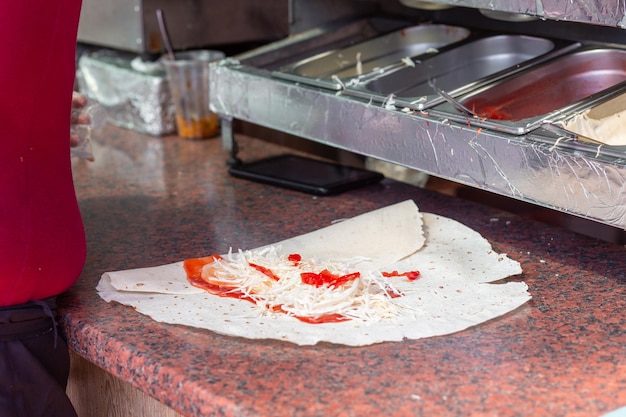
475, 91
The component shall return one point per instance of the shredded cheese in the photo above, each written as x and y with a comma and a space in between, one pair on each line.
408, 61
366, 298
336, 79
390, 102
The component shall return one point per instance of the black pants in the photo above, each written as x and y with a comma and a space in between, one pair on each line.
34, 362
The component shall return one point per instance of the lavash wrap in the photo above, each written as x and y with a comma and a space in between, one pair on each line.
457, 288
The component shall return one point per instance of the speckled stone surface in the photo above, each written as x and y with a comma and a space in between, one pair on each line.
149, 201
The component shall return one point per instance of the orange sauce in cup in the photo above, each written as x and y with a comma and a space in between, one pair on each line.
205, 127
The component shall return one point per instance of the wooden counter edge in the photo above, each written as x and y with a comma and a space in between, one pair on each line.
96, 393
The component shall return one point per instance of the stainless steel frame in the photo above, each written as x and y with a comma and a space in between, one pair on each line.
541, 166
573, 177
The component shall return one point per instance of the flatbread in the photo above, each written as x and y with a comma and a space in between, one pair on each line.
454, 291
165, 279
381, 237
604, 123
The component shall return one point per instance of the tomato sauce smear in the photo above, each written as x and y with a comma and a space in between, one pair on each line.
193, 269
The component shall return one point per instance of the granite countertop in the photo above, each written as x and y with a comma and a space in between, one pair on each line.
149, 201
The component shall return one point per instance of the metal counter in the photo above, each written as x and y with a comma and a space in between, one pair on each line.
539, 167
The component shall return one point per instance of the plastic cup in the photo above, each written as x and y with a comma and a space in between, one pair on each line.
188, 77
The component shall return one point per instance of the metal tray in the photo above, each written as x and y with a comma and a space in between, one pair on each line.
455, 71
550, 91
334, 69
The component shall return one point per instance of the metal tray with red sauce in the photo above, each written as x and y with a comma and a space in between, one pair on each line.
457, 70
546, 92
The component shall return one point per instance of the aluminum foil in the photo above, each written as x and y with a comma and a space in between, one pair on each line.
601, 12
136, 99
575, 178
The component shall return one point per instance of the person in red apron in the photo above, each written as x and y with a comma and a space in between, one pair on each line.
42, 241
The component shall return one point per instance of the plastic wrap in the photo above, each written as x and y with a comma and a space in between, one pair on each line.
582, 179
87, 117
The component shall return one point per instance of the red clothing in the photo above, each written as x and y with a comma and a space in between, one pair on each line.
42, 242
